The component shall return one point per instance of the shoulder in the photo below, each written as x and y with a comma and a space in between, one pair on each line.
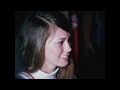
22, 75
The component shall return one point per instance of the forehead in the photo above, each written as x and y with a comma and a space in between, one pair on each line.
57, 33
60, 33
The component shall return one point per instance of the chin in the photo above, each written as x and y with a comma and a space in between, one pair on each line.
63, 65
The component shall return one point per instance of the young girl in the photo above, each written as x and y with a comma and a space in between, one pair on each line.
42, 49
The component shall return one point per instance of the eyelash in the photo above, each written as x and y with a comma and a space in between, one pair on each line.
69, 41
61, 42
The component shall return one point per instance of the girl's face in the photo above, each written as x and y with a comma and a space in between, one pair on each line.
57, 49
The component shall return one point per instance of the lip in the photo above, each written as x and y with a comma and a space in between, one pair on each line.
65, 59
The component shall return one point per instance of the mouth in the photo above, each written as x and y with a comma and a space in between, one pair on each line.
64, 57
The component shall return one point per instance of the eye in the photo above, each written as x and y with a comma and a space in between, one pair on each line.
61, 42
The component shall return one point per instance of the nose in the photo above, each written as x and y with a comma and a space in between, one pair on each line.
68, 47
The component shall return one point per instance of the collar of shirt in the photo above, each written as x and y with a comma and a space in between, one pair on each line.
42, 75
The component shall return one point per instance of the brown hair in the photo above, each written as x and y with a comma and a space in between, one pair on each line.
29, 48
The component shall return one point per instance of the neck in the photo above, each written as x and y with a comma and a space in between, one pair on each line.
47, 69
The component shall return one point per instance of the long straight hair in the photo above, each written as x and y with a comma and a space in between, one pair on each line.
32, 36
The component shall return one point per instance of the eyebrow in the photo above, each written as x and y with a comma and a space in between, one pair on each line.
62, 38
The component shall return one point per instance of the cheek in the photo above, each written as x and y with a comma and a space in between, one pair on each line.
54, 50
59, 51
